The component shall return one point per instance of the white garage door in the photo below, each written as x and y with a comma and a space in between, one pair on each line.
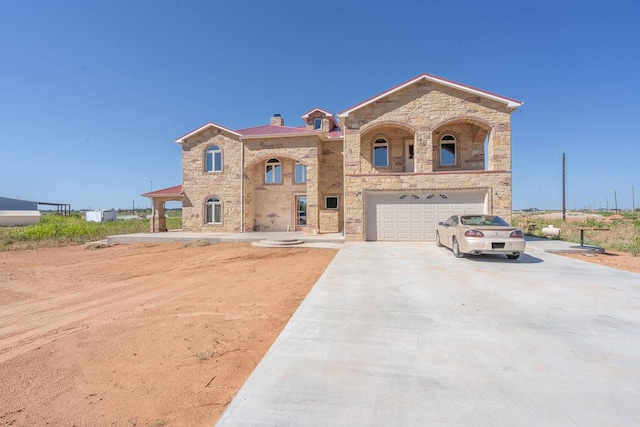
414, 216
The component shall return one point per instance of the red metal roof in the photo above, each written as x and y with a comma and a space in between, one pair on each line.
171, 191
273, 130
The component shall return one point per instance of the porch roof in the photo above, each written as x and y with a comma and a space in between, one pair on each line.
175, 191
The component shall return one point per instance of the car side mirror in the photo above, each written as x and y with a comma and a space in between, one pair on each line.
441, 223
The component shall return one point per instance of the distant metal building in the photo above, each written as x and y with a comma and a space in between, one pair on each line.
18, 212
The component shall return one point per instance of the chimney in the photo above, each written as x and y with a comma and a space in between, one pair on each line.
277, 120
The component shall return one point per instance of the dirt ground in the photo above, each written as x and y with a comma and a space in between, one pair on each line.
147, 334
141, 335
619, 260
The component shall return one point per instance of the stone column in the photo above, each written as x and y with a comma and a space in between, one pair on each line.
313, 194
158, 221
423, 152
500, 147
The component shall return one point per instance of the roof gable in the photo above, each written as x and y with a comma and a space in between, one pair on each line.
325, 113
320, 110
509, 102
203, 128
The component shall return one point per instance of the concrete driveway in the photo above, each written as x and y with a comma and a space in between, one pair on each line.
404, 334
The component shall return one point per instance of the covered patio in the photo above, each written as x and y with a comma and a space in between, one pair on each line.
158, 199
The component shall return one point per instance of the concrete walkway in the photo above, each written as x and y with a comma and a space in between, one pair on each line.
405, 334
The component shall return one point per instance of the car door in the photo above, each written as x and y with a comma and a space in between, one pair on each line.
448, 230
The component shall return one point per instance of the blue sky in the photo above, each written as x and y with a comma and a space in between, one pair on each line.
93, 93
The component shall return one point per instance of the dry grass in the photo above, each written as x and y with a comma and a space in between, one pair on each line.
623, 234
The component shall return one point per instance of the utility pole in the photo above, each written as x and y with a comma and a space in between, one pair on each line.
564, 205
615, 197
633, 199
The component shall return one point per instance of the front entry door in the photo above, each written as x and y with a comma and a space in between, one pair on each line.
408, 157
301, 212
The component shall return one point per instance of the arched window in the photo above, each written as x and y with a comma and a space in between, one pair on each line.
380, 153
213, 159
273, 172
213, 211
301, 173
448, 150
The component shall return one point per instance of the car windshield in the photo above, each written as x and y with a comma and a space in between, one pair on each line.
482, 220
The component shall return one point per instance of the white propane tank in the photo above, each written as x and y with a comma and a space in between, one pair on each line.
551, 231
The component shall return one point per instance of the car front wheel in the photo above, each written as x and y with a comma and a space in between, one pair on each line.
438, 242
514, 256
456, 249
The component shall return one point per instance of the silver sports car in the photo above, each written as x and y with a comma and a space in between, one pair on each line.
480, 234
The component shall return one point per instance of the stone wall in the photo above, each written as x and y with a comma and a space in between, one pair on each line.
271, 207
329, 221
496, 184
425, 111
331, 177
396, 137
199, 186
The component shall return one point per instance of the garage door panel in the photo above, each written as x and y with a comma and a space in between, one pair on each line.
403, 215
391, 216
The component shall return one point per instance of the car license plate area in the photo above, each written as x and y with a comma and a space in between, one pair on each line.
497, 245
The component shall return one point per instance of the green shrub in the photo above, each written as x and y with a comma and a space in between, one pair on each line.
55, 230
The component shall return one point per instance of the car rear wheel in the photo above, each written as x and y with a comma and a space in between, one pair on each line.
514, 256
456, 248
438, 242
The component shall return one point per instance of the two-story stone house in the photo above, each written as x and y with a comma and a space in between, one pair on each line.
389, 168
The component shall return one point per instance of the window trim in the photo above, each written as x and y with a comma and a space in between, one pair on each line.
295, 173
326, 198
277, 164
377, 144
213, 150
212, 202
453, 142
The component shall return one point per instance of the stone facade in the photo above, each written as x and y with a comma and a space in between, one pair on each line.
412, 119
424, 112
198, 185
271, 207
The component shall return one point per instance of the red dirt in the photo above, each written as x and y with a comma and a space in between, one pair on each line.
141, 335
147, 335
613, 259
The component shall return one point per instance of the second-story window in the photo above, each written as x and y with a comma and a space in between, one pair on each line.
317, 124
448, 150
273, 172
301, 173
380, 153
213, 159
